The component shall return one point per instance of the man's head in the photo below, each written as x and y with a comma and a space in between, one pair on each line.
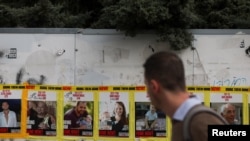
5, 105
81, 108
228, 112
163, 71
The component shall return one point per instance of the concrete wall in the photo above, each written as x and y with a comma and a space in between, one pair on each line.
220, 59
107, 57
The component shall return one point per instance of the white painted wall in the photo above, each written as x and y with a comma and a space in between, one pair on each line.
113, 59
221, 60
36, 56
110, 58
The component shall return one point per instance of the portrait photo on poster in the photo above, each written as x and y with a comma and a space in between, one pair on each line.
232, 112
114, 114
228, 105
10, 115
41, 116
78, 118
149, 121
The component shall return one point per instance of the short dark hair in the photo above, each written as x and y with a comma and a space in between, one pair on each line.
86, 112
167, 68
78, 102
5, 101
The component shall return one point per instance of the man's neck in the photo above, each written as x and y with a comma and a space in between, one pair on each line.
175, 101
77, 114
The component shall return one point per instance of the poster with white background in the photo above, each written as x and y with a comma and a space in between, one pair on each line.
145, 127
78, 96
11, 100
10, 94
42, 95
114, 114
83, 124
218, 99
41, 112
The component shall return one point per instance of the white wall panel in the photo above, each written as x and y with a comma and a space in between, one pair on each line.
111, 58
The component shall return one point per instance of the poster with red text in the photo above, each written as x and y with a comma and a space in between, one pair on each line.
149, 121
78, 113
11, 110
219, 101
114, 113
41, 112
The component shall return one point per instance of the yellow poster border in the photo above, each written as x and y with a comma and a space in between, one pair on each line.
57, 89
168, 122
116, 89
244, 91
93, 89
22, 133
207, 90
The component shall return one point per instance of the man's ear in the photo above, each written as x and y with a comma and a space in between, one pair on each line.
155, 87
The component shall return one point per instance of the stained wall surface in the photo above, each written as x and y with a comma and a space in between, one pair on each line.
108, 57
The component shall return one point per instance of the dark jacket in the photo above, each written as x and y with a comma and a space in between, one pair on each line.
198, 127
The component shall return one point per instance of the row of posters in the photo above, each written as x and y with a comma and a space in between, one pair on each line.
71, 111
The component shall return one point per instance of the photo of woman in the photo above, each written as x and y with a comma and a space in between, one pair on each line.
119, 118
114, 114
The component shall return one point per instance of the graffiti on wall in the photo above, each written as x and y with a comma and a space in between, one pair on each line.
19, 78
235, 81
